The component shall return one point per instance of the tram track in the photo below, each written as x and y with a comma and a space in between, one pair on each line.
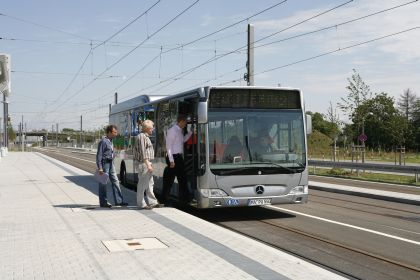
341, 245
311, 247
359, 203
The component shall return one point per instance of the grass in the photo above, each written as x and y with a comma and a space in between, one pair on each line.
367, 176
320, 147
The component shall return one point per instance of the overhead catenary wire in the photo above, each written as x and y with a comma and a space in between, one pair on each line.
172, 79
187, 72
329, 53
127, 54
127, 25
294, 37
336, 25
92, 49
192, 69
194, 41
45, 26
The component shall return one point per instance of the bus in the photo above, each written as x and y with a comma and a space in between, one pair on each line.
248, 146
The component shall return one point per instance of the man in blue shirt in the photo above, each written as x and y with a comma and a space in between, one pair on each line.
105, 164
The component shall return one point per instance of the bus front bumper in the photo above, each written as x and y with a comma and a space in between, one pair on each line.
296, 196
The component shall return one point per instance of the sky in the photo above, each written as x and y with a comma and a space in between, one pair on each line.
68, 58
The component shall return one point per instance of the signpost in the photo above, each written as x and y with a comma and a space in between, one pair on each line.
362, 138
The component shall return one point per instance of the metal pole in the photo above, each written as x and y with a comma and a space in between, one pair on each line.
5, 120
21, 136
81, 131
116, 98
56, 134
363, 142
250, 62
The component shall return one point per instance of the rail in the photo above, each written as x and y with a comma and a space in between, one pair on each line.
368, 166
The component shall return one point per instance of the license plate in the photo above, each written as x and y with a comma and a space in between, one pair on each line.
260, 201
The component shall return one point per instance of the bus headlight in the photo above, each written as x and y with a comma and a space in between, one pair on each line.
299, 190
213, 193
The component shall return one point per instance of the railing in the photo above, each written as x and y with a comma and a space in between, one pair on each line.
368, 166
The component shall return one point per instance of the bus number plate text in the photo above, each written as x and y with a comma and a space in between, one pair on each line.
260, 201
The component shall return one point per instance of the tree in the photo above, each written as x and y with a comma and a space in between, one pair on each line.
359, 92
406, 104
333, 122
325, 127
11, 133
67, 130
384, 125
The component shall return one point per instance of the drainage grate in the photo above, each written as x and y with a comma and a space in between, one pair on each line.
147, 243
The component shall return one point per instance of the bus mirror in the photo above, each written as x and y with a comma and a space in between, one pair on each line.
202, 112
308, 124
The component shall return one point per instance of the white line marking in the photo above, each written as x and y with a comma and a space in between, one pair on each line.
346, 225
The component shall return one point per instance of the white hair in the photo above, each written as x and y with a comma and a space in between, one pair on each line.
147, 124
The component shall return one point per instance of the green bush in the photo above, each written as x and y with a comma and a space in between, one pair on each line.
338, 172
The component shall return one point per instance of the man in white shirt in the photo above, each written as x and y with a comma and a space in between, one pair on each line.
175, 139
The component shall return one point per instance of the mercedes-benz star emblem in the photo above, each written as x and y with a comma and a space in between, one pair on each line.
259, 189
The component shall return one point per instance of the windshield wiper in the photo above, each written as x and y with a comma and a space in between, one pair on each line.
233, 171
275, 165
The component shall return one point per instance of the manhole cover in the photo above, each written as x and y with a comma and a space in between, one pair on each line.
146, 243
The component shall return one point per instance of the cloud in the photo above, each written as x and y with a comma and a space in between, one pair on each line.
396, 20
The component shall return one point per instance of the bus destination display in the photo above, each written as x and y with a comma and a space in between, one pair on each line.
254, 98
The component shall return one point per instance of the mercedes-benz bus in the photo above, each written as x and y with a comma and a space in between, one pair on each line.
248, 146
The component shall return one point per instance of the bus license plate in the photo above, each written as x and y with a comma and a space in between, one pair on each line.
260, 201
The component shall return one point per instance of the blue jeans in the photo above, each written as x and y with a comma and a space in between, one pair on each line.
108, 167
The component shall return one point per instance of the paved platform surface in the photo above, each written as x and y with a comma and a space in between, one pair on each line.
51, 228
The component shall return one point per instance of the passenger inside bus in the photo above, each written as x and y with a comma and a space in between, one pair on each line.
233, 150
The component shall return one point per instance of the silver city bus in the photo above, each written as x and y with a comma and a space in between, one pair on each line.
248, 145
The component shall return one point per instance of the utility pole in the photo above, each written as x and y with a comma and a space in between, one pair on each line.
22, 136
5, 119
81, 131
56, 134
116, 98
5, 79
250, 62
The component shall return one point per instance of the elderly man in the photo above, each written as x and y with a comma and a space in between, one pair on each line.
143, 155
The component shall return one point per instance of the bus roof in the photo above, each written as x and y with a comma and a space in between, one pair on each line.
134, 102
144, 99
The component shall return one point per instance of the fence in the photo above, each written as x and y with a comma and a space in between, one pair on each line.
368, 166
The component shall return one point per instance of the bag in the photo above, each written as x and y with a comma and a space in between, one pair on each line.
101, 178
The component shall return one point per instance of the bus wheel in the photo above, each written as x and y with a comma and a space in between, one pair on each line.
123, 175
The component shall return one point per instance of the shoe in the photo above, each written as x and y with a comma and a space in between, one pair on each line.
147, 207
122, 204
107, 205
157, 205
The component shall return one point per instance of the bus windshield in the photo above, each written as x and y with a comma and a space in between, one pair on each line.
243, 141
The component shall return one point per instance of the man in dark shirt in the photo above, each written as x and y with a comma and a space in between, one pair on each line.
105, 164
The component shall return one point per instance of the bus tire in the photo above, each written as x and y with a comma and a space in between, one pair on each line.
123, 175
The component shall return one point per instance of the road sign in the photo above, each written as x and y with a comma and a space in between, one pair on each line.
362, 137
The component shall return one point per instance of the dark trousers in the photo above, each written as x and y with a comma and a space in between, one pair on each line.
169, 177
